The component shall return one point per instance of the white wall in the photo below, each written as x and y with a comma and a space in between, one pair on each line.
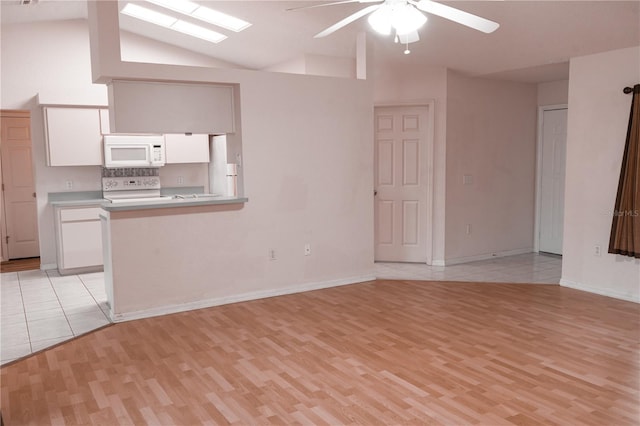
308, 169
308, 165
491, 128
331, 66
52, 59
136, 48
320, 65
477, 121
553, 93
597, 126
396, 85
296, 65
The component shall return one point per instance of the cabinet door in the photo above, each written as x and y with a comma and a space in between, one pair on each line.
80, 237
181, 148
73, 136
81, 244
157, 107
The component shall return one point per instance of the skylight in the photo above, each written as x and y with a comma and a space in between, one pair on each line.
220, 19
148, 15
203, 13
172, 23
185, 6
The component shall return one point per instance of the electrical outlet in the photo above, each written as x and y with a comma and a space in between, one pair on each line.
597, 251
68, 184
307, 249
272, 254
180, 180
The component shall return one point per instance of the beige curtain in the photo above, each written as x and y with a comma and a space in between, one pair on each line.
625, 229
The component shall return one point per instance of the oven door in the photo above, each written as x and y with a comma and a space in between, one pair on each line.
127, 155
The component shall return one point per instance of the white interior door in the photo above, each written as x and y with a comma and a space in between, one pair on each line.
552, 171
19, 201
401, 183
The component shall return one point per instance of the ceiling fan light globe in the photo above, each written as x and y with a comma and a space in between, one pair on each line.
380, 20
407, 19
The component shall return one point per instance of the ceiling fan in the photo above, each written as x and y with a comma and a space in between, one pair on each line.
404, 17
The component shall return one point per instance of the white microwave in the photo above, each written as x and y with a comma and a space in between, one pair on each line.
133, 151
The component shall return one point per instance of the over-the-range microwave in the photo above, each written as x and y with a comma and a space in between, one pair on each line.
133, 151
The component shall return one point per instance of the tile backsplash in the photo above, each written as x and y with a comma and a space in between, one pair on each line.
130, 172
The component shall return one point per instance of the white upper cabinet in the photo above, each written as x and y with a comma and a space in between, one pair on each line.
160, 107
74, 135
181, 148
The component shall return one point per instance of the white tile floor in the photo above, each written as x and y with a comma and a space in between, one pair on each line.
526, 268
41, 309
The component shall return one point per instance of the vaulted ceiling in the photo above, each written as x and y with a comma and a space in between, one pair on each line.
534, 41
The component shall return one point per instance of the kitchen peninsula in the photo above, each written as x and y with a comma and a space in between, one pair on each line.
158, 254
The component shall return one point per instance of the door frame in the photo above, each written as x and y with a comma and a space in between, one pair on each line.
536, 228
429, 161
4, 247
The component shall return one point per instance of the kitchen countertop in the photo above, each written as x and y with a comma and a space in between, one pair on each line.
94, 198
172, 203
71, 199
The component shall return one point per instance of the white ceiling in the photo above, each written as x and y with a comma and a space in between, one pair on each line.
533, 44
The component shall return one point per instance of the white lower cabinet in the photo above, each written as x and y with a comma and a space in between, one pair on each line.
79, 237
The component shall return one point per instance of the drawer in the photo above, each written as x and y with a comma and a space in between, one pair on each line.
75, 215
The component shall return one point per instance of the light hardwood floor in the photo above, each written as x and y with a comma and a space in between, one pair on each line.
28, 264
383, 352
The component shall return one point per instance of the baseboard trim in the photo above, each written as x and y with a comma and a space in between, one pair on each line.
438, 263
48, 266
243, 297
608, 293
459, 260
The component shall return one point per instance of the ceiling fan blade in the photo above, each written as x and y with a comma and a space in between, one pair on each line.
346, 21
457, 15
313, 6
411, 37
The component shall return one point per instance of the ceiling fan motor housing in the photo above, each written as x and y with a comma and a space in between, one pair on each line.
398, 15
